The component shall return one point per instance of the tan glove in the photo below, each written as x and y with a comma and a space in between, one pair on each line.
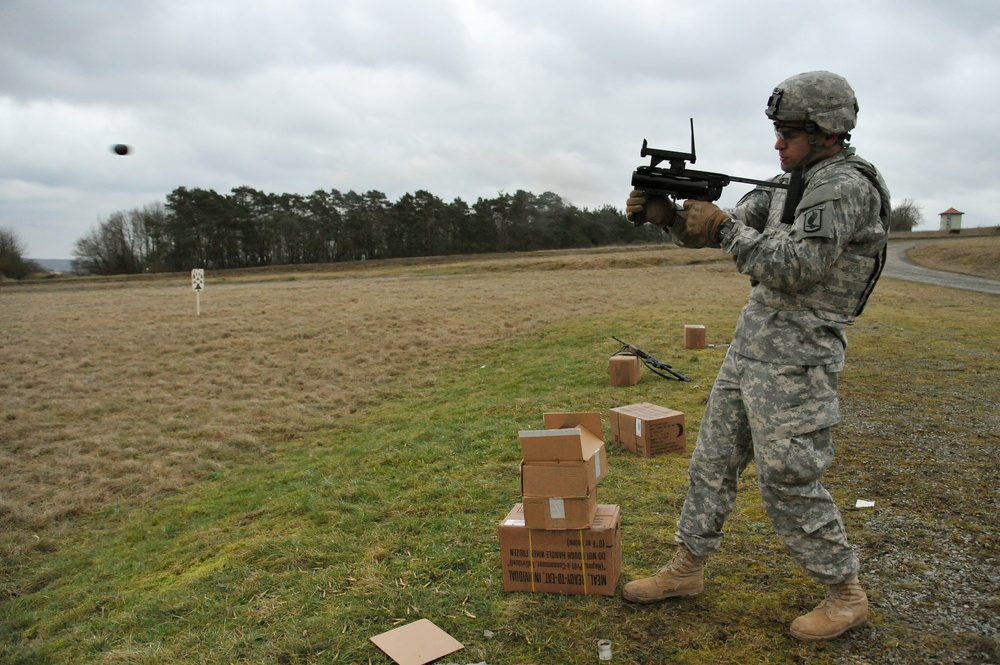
657, 210
702, 220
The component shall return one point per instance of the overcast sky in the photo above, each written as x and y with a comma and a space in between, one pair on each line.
468, 98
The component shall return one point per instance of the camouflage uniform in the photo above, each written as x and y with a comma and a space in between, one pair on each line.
775, 398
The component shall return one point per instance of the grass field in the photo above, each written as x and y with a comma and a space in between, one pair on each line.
324, 455
979, 256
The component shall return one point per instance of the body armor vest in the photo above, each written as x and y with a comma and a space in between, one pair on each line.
843, 293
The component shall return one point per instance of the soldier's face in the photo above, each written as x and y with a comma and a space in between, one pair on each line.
792, 146
794, 150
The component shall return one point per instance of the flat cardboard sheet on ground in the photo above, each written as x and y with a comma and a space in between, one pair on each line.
417, 643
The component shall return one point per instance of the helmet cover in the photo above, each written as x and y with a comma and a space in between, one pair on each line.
821, 98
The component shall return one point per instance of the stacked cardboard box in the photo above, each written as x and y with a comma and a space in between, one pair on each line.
571, 561
560, 469
559, 539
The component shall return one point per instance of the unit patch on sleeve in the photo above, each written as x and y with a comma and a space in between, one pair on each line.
814, 223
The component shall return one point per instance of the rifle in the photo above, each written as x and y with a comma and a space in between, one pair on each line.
679, 182
654, 365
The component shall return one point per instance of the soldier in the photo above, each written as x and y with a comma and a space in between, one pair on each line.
813, 254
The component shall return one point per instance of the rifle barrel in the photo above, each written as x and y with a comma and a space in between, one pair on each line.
761, 183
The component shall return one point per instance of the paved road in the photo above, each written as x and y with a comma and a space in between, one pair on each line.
899, 267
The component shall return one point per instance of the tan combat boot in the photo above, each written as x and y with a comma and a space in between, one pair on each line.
683, 576
845, 607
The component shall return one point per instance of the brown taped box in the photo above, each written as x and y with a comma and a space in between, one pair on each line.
577, 561
648, 429
694, 337
560, 470
559, 513
624, 369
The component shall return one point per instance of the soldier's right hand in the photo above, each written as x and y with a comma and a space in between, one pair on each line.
657, 210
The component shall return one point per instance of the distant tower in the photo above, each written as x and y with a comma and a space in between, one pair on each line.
951, 221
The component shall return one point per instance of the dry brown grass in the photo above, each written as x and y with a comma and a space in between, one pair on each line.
968, 256
113, 390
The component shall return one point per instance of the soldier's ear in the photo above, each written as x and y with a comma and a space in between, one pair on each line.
828, 140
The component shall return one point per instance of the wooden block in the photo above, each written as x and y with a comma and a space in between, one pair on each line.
624, 369
694, 337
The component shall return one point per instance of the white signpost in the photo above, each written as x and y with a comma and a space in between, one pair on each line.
198, 284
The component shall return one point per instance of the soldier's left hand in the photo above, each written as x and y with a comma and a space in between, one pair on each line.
657, 210
702, 220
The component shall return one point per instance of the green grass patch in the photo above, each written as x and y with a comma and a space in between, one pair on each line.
390, 515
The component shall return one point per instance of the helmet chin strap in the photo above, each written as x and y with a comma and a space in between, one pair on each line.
816, 152
796, 185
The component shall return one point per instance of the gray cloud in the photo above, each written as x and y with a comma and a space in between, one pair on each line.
467, 98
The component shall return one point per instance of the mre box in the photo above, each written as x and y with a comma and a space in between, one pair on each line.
576, 561
560, 512
647, 429
589, 420
624, 369
560, 470
567, 437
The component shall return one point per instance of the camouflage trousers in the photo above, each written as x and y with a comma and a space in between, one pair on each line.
780, 416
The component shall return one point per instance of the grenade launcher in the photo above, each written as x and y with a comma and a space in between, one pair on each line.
679, 182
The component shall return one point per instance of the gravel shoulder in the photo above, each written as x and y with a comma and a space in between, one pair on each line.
930, 453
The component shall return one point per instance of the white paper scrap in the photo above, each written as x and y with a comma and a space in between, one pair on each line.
862, 503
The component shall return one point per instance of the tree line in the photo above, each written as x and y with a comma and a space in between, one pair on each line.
248, 228
199, 228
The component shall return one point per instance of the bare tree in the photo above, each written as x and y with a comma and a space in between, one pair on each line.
126, 242
905, 216
13, 265
111, 248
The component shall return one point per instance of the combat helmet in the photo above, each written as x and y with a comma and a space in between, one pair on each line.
823, 99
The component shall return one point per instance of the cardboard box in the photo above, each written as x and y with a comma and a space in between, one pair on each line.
566, 446
576, 561
589, 420
560, 513
624, 369
647, 429
694, 337
560, 479
560, 470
